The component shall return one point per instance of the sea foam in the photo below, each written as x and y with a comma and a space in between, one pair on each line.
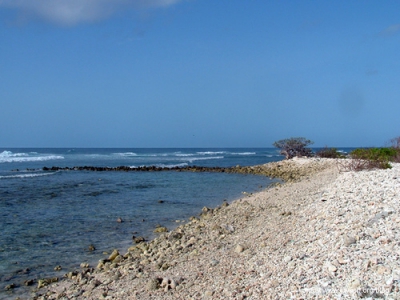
9, 157
204, 158
211, 152
244, 153
26, 175
126, 154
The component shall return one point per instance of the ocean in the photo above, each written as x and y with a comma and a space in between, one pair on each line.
50, 219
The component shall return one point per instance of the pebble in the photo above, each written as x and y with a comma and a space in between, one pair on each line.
348, 241
214, 262
113, 255
287, 259
354, 284
239, 248
331, 267
152, 284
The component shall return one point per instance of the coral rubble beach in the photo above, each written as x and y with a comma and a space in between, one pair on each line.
323, 234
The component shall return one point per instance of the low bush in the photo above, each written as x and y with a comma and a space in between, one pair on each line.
329, 153
370, 158
376, 154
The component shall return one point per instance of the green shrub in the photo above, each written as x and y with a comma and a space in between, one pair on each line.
386, 154
329, 153
375, 157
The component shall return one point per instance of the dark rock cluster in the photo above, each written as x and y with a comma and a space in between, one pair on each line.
286, 170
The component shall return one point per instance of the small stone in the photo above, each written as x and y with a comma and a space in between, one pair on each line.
382, 270
138, 239
160, 229
10, 286
29, 282
341, 261
286, 259
46, 281
227, 228
164, 266
205, 209
152, 284
144, 262
348, 241
84, 265
195, 252
239, 248
113, 255
42, 283
91, 248
118, 259
331, 268
100, 265
57, 268
354, 284
214, 262
119, 220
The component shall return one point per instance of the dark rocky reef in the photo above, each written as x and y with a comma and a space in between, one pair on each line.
287, 170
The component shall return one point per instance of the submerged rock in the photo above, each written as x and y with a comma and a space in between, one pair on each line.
160, 229
10, 286
138, 239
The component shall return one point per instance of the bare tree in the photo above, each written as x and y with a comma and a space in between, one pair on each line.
294, 146
395, 142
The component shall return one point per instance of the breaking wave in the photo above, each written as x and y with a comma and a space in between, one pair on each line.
9, 157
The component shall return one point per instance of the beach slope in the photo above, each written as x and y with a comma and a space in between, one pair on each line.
323, 235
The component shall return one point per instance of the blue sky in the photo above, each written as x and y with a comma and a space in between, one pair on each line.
198, 73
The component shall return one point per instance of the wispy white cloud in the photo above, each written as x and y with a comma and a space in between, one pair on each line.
391, 30
72, 12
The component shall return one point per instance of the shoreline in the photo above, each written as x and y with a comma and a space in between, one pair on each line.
271, 244
281, 169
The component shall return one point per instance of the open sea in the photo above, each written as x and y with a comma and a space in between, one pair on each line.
50, 219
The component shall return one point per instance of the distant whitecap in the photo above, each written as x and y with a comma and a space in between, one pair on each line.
126, 154
211, 152
204, 158
244, 153
26, 175
9, 157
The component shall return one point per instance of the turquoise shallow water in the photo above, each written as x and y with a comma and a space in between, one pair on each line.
51, 218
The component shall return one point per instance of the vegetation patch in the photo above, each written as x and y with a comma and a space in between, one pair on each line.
371, 158
329, 153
